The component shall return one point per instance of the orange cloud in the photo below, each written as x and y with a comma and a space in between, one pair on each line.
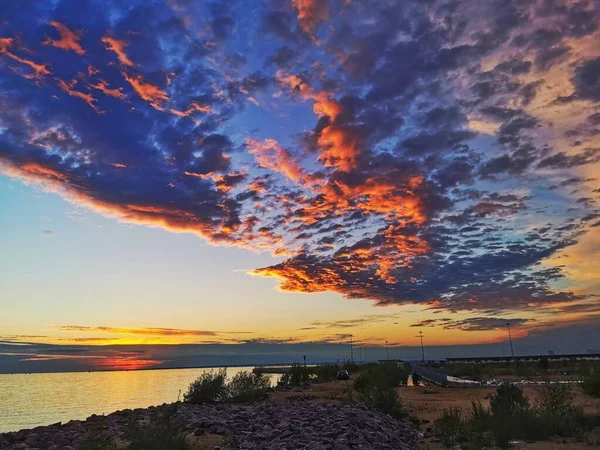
139, 331
88, 98
102, 86
310, 13
339, 146
38, 69
147, 91
270, 155
68, 41
172, 219
118, 47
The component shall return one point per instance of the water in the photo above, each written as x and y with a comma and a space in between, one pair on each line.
30, 400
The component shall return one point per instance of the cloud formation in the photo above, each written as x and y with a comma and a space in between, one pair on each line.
398, 152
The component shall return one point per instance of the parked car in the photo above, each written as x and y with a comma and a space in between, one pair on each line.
343, 375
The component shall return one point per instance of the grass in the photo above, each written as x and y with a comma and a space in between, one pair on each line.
591, 381
512, 416
376, 387
543, 368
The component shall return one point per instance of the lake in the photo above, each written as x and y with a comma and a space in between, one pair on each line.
30, 400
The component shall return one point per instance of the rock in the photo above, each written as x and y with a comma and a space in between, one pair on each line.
260, 426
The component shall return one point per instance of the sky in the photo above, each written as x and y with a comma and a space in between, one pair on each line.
188, 182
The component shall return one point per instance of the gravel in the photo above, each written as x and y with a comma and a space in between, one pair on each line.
300, 424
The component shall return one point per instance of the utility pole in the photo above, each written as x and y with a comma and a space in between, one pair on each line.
387, 352
351, 350
512, 351
422, 348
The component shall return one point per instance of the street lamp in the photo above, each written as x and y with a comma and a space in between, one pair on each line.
512, 351
387, 352
422, 348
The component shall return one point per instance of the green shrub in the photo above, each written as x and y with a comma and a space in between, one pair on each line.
362, 381
297, 376
451, 426
508, 400
164, 432
395, 374
556, 399
511, 413
591, 382
247, 387
326, 372
378, 395
478, 426
210, 387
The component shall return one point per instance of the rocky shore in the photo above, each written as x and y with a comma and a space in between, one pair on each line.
298, 424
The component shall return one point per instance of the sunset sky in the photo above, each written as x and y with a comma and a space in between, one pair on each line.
256, 175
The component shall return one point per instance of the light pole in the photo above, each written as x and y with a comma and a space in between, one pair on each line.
387, 352
351, 350
512, 351
304, 360
422, 348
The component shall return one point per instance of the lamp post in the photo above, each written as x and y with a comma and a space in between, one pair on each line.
351, 350
422, 348
512, 351
387, 352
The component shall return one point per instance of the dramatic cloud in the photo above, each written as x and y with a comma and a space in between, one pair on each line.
68, 41
438, 153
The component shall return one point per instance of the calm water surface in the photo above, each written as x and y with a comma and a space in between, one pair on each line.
30, 400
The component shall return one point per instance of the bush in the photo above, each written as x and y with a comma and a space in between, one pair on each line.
164, 432
326, 372
381, 397
478, 426
395, 374
362, 381
375, 391
247, 387
451, 426
591, 382
297, 376
511, 414
210, 387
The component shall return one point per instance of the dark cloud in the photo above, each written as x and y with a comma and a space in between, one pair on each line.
347, 147
473, 323
587, 80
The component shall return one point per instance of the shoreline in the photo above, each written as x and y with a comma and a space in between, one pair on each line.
299, 423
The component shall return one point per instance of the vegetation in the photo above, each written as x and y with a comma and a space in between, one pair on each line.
591, 382
247, 387
213, 387
511, 416
297, 376
210, 387
451, 425
391, 374
377, 385
163, 432
543, 368
326, 372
